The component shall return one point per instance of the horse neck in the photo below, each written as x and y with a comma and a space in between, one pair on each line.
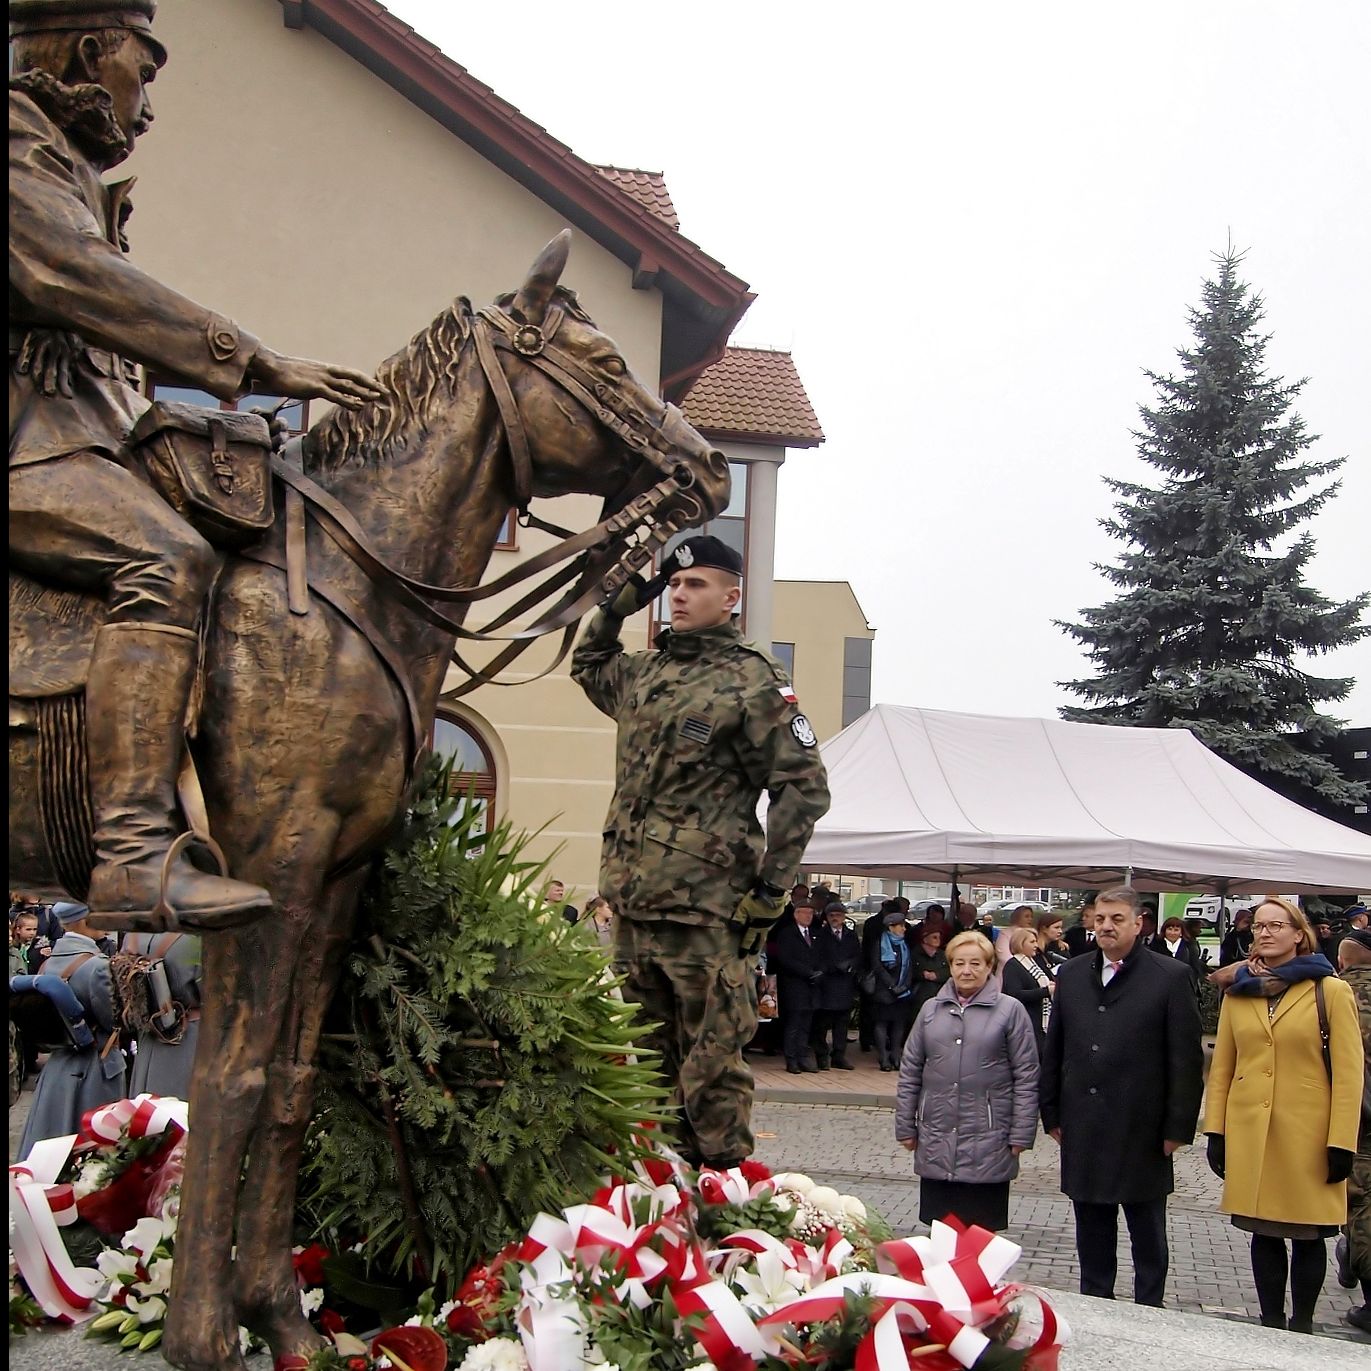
432, 510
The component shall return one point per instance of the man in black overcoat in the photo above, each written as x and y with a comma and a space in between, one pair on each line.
1122, 1076
839, 952
1080, 937
798, 974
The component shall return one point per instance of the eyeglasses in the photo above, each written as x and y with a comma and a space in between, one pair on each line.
1275, 926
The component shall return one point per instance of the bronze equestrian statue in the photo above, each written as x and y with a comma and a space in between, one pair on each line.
312, 678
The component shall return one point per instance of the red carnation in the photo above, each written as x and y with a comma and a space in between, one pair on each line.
331, 1321
309, 1264
358, 1364
755, 1171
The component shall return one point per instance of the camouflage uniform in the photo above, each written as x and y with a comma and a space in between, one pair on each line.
1358, 1228
707, 722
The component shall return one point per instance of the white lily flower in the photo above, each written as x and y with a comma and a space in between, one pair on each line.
770, 1286
112, 1263
159, 1277
311, 1301
144, 1236
150, 1310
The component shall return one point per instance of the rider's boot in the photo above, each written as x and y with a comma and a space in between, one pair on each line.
139, 683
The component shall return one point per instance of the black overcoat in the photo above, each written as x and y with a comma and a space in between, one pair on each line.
840, 956
795, 963
1122, 1072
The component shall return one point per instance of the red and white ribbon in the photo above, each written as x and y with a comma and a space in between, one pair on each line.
144, 1116
38, 1206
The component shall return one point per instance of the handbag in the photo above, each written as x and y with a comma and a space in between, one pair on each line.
868, 983
212, 466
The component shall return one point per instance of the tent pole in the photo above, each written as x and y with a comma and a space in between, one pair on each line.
1221, 923
1128, 877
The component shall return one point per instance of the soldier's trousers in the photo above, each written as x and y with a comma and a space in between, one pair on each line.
702, 994
1358, 1227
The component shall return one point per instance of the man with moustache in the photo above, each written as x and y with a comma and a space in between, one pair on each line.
1120, 1113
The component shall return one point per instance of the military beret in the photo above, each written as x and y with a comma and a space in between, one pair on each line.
704, 550
86, 16
69, 911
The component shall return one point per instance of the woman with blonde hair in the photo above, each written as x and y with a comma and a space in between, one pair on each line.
1025, 979
967, 1100
1284, 1105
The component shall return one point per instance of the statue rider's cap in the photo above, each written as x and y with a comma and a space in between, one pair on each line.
703, 550
87, 16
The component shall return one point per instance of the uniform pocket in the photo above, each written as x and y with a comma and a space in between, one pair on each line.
694, 842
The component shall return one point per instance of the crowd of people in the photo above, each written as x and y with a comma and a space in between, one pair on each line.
1095, 1031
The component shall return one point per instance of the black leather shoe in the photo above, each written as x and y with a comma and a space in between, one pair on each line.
792, 1069
843, 1066
1359, 1316
811, 1069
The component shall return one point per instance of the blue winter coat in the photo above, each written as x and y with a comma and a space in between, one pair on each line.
968, 1087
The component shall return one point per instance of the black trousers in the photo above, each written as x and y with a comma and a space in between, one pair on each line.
830, 1025
1097, 1236
796, 1023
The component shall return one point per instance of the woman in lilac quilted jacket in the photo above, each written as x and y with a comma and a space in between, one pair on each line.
967, 1100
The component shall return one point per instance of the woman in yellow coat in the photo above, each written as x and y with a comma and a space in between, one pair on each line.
1282, 1122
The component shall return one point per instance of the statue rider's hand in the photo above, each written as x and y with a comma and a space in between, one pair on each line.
48, 355
306, 380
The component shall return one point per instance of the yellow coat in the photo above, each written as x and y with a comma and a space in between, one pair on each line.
1269, 1095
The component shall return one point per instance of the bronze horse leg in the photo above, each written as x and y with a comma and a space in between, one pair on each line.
264, 1279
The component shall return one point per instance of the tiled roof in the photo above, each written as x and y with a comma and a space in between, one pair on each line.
648, 188
756, 395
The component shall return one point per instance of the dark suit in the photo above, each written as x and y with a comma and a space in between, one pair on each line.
1187, 954
1080, 940
798, 974
1122, 1074
840, 955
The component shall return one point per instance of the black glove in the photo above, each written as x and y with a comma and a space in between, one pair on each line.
1339, 1164
1216, 1153
635, 594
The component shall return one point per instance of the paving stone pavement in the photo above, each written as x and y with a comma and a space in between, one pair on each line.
854, 1150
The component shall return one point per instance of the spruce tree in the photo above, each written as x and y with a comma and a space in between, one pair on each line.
1213, 616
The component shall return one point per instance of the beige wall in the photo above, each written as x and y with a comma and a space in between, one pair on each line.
817, 616
285, 185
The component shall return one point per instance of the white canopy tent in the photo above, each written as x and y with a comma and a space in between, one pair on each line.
921, 794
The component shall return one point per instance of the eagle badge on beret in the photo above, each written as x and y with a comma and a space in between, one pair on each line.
685, 556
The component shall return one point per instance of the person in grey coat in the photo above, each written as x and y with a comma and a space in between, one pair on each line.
165, 1060
967, 1100
74, 1079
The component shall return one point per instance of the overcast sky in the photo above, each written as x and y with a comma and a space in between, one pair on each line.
974, 225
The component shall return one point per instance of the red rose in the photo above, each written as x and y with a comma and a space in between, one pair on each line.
309, 1264
331, 1321
754, 1172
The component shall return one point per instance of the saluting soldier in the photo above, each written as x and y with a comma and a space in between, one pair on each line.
80, 312
706, 723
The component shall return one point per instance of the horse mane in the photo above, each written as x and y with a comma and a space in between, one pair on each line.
414, 381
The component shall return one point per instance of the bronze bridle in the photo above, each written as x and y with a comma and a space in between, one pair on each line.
643, 525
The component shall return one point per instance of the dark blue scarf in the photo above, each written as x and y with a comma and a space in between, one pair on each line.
1313, 966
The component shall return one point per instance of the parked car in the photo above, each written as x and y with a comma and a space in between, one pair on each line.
1000, 910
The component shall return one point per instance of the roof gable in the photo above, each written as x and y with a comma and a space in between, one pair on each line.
754, 395
648, 188
703, 301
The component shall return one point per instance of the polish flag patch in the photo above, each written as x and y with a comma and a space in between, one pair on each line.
787, 693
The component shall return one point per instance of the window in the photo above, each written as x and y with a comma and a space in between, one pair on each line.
294, 412
785, 654
856, 678
473, 772
508, 539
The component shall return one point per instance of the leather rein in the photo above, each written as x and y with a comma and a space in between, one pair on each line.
639, 526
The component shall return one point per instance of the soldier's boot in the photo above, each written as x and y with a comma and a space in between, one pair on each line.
139, 683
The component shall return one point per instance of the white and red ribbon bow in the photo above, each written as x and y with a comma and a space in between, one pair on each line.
38, 1207
144, 1116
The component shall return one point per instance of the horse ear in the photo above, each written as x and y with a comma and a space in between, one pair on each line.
535, 294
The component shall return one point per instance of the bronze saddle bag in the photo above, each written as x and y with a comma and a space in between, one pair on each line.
212, 466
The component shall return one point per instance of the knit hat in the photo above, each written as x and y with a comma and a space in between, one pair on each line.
70, 912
